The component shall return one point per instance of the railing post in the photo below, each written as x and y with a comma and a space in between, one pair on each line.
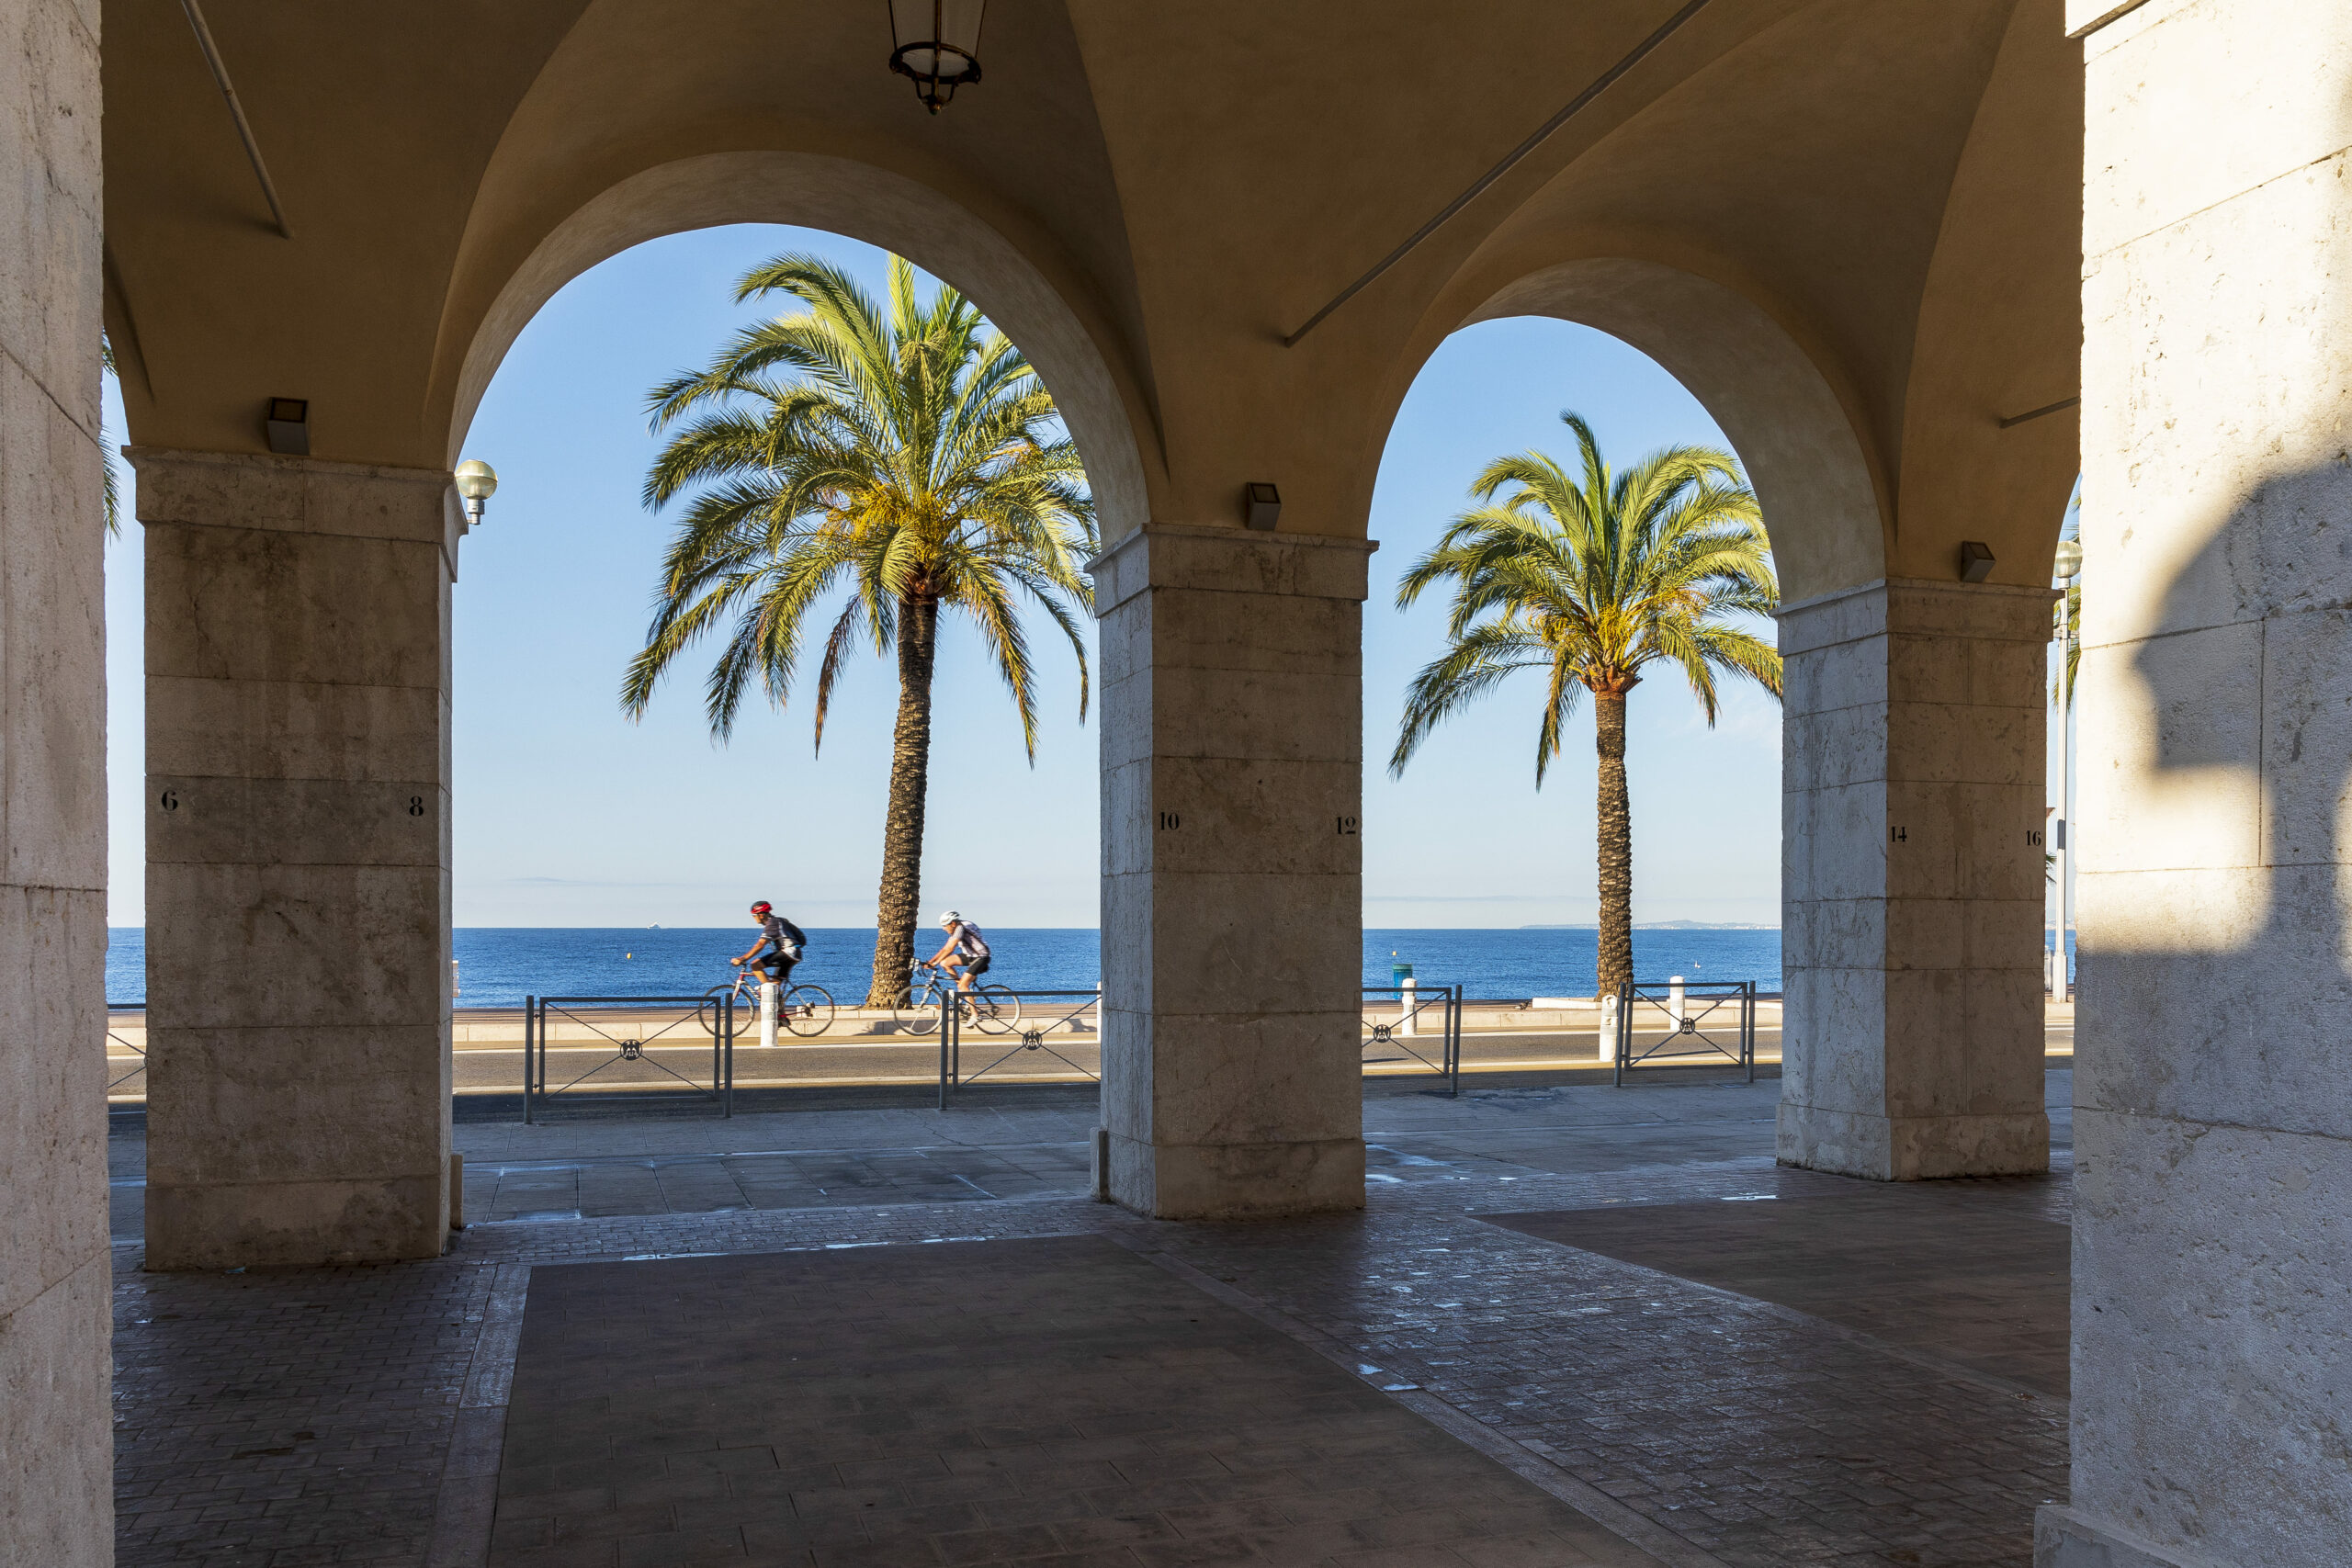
530, 1036
1625, 1009
942, 1058
727, 1022
1453, 1042
1747, 1025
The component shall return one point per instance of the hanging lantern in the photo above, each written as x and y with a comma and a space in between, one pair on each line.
938, 45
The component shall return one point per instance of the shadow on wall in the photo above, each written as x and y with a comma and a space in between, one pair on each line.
2237, 761
2212, 1100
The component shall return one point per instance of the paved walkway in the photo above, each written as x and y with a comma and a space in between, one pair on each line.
1692, 1413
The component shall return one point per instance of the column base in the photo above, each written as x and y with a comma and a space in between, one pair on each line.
296, 1223
1913, 1148
1235, 1181
2064, 1538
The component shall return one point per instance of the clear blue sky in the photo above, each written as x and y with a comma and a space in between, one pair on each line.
568, 813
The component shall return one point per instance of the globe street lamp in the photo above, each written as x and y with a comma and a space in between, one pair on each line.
938, 45
477, 482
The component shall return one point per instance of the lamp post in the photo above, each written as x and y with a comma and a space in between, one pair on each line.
477, 482
2068, 566
938, 45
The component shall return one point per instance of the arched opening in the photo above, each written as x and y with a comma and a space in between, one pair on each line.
1502, 895
596, 855
1907, 786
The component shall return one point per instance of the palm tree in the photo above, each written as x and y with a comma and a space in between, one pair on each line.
106, 452
912, 460
1589, 578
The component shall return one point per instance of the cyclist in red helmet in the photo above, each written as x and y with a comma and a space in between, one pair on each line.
784, 940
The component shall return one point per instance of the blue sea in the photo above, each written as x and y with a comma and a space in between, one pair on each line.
498, 966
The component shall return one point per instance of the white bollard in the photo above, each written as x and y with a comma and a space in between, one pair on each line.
767, 1013
1675, 1012
1606, 1051
1410, 1002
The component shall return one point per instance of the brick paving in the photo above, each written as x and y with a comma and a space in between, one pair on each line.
1055, 1400
1974, 1272
335, 1416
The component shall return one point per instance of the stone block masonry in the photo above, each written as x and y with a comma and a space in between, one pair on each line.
2212, 1298
1232, 870
1912, 880
56, 1507
298, 846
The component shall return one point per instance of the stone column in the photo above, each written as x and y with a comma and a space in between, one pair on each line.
297, 859
1232, 874
2212, 1301
1912, 879
56, 1433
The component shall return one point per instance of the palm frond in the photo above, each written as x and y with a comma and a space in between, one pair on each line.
1592, 573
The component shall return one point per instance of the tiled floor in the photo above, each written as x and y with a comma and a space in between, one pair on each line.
1974, 1273
1056, 1400
356, 1415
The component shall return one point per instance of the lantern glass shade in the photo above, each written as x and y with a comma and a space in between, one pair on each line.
937, 44
476, 479
2070, 559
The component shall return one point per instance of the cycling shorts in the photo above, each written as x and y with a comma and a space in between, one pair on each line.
776, 966
976, 967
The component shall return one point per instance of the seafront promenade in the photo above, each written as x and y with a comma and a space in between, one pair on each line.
621, 1049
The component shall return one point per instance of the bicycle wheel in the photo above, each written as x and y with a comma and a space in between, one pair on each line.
993, 1010
919, 1012
807, 1010
707, 1012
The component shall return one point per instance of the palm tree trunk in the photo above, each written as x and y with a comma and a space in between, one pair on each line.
1616, 844
894, 910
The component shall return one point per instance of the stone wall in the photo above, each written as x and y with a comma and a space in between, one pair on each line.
2212, 1316
1911, 881
56, 1442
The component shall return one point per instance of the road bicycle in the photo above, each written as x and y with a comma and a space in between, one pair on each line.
991, 1009
802, 1009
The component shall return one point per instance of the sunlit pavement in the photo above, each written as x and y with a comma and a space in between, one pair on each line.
1572, 1387
485, 1067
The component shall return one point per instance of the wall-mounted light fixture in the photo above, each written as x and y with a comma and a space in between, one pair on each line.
477, 482
1262, 505
288, 424
938, 45
1975, 561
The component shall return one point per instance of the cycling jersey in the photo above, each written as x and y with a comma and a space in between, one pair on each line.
783, 935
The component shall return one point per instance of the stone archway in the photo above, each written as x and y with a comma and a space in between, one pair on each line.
1912, 757
1821, 499
863, 203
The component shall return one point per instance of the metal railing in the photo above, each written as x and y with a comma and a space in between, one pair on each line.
1701, 1023
1068, 1012
622, 1022
114, 1040
1407, 1036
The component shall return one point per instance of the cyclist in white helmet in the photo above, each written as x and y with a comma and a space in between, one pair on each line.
965, 955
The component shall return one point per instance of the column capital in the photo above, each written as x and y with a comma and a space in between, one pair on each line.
298, 495
2000, 611
1230, 560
